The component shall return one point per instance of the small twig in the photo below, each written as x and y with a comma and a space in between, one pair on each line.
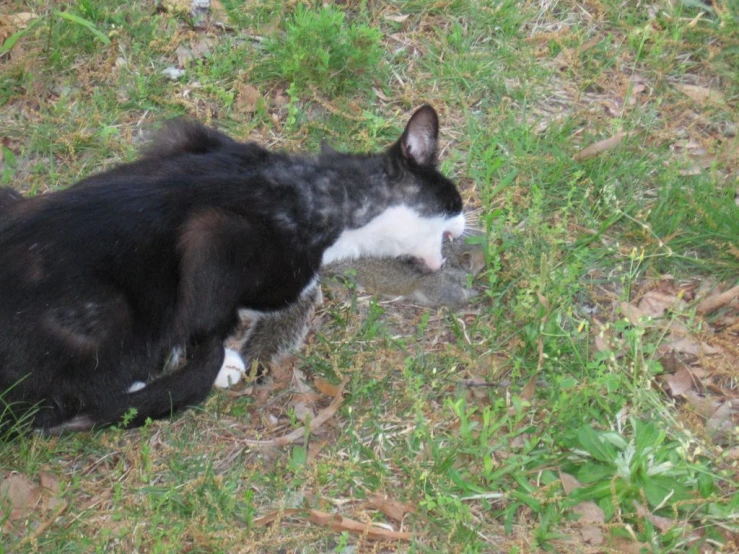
31, 538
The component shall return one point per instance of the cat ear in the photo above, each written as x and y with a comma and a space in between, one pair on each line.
418, 142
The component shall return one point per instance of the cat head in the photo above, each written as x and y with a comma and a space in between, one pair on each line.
411, 208
429, 205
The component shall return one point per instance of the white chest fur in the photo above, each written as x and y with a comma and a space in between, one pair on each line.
398, 231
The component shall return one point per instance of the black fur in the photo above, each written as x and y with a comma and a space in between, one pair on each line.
100, 281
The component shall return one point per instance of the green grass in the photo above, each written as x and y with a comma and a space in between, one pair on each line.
471, 417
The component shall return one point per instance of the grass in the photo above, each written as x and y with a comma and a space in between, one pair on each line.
477, 420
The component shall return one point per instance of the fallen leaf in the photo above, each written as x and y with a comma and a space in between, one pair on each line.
690, 171
704, 407
19, 20
636, 89
380, 95
655, 304
325, 387
680, 382
273, 516
732, 454
592, 535
688, 345
300, 382
529, 390
315, 423
569, 483
715, 302
635, 316
396, 18
391, 508
702, 95
314, 448
339, 523
599, 147
303, 412
589, 512
20, 494
247, 98
720, 421
662, 523
601, 345
49, 481
626, 546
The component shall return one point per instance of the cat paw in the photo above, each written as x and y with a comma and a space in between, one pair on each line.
232, 370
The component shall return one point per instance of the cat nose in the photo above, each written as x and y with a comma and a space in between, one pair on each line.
455, 229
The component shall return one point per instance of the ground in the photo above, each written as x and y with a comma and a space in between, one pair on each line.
585, 401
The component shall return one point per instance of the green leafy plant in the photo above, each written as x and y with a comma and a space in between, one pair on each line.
646, 469
10, 42
319, 48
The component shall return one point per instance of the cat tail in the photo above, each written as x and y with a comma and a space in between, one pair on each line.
159, 399
183, 136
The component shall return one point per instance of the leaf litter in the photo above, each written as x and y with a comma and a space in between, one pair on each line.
698, 326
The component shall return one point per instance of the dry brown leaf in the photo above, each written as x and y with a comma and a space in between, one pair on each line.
20, 494
325, 387
704, 407
314, 448
49, 481
396, 18
247, 98
272, 516
300, 383
529, 390
303, 412
309, 397
720, 421
589, 512
391, 508
636, 90
690, 171
702, 95
688, 345
716, 301
664, 524
732, 454
315, 423
18, 20
599, 147
626, 546
381, 95
569, 483
680, 382
635, 316
592, 535
655, 304
339, 523
601, 345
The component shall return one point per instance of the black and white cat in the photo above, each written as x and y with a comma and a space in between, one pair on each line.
101, 281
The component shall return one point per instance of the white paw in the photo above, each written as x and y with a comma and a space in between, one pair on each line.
231, 371
136, 386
